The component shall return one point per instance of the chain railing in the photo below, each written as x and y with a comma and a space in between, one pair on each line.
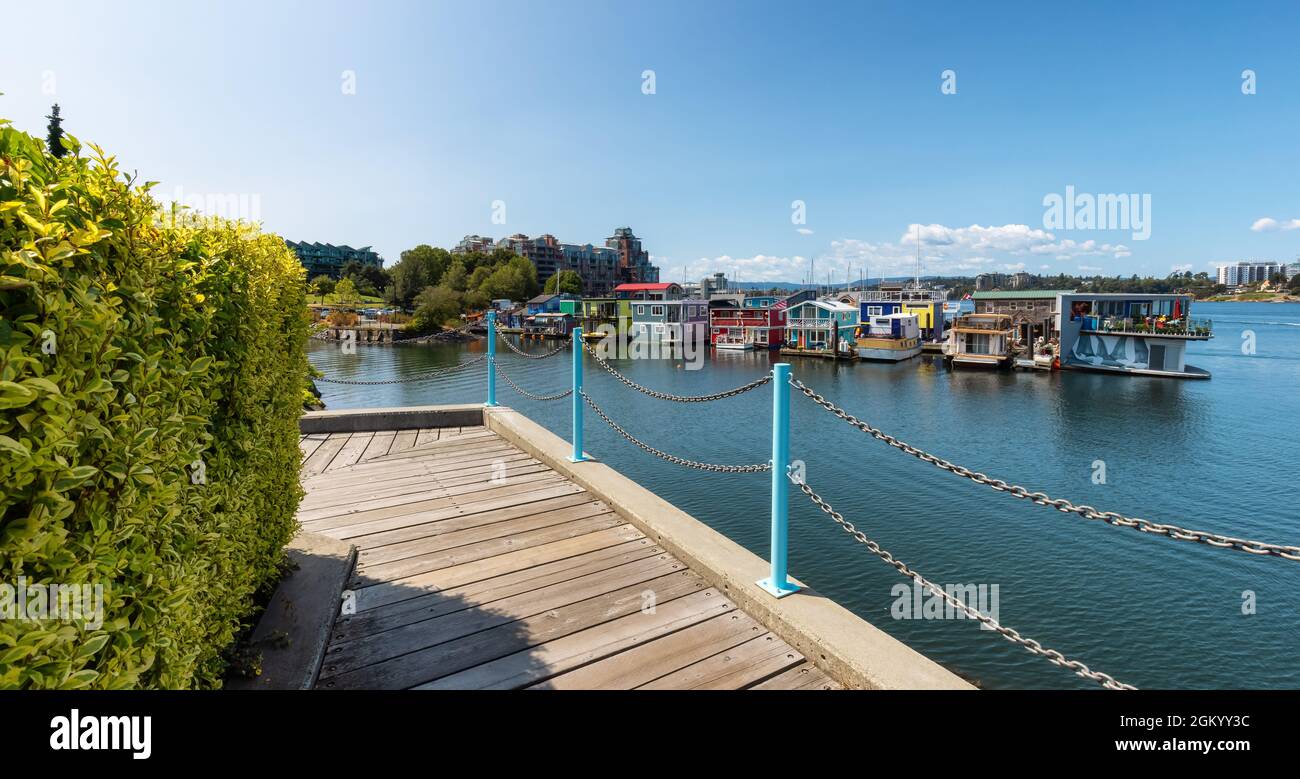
1010, 634
731, 393
405, 379
529, 356
672, 458
530, 395
1060, 504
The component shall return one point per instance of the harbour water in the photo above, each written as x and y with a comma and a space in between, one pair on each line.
1220, 455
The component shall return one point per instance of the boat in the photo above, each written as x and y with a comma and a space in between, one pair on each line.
980, 341
888, 338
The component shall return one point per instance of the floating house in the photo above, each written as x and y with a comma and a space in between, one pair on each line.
548, 325
547, 304
981, 341
889, 338
819, 328
660, 313
927, 304
1129, 333
1033, 312
591, 314
748, 327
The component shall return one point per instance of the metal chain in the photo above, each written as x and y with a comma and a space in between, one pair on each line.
755, 384
1010, 634
528, 356
1060, 504
757, 468
421, 377
528, 394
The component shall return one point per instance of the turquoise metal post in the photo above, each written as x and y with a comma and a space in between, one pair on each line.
492, 358
578, 455
779, 584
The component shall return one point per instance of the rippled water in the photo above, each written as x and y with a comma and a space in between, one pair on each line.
1218, 455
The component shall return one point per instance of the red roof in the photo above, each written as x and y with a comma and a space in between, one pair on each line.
645, 287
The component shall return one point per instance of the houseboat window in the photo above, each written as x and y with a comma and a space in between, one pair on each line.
977, 343
640, 310
875, 310
656, 311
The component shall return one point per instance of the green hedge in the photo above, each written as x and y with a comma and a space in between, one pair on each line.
150, 386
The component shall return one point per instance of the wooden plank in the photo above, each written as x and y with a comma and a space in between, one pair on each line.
407, 462
351, 451
310, 443
466, 616
804, 676
405, 439
459, 555
378, 484
368, 496
428, 446
736, 668
641, 629
376, 541
326, 452
477, 529
446, 578
377, 470
448, 657
422, 517
485, 591
649, 661
379, 445
426, 435
430, 498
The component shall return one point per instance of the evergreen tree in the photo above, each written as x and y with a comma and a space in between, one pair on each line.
54, 137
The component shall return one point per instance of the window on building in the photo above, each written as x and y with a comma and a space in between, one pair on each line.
875, 310
656, 311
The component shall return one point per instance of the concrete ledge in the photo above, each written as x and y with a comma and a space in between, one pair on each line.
302, 610
408, 418
850, 649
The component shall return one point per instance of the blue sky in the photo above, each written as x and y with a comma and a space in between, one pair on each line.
541, 106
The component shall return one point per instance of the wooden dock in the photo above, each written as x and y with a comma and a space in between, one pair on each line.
481, 567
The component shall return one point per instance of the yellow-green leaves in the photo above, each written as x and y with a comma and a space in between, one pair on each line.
129, 350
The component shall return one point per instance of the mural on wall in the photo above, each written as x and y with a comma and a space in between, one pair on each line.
1111, 351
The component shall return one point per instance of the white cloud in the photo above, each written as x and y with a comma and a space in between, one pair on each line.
944, 250
1268, 224
1181, 268
803, 231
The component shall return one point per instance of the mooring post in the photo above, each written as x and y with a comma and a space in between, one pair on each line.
492, 358
578, 455
779, 584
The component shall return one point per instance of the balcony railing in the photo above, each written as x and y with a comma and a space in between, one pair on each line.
1184, 326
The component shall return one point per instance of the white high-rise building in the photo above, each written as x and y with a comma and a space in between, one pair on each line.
1248, 272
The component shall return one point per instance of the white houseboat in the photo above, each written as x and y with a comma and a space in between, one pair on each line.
888, 338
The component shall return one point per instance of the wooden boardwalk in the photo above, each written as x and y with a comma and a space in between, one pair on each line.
480, 567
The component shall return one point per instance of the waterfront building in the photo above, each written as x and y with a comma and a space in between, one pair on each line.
592, 313
597, 265
660, 312
888, 338
634, 262
1033, 312
927, 304
981, 341
990, 281
1129, 333
548, 304
1249, 272
601, 267
474, 243
820, 328
746, 326
328, 259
